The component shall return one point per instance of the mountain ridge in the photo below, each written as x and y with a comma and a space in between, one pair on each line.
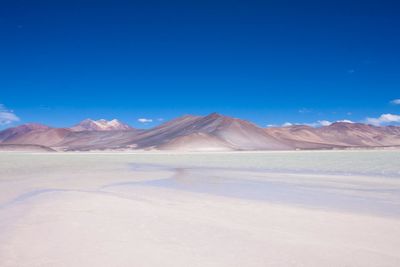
213, 132
100, 125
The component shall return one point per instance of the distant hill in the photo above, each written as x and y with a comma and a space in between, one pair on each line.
100, 125
214, 132
229, 133
339, 134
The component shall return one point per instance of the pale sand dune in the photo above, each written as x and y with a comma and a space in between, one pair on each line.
127, 210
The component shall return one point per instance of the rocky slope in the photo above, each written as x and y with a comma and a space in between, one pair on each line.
213, 132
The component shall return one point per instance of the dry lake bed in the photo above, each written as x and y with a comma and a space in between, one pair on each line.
303, 208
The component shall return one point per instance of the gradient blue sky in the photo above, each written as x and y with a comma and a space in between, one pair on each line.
267, 61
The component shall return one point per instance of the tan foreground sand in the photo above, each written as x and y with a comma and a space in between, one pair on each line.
98, 210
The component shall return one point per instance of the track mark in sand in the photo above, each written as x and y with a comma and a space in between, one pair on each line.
39, 192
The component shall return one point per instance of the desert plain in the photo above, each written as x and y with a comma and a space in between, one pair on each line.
286, 208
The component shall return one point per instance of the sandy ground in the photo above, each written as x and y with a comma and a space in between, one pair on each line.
133, 210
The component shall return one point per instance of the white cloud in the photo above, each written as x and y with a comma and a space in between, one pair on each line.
384, 119
312, 124
347, 121
7, 116
304, 110
319, 123
324, 123
395, 101
144, 120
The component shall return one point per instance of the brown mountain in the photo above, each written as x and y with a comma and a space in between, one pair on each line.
97, 140
227, 132
101, 125
300, 137
202, 133
33, 134
336, 135
15, 132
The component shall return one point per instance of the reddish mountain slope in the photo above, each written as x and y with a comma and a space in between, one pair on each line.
233, 133
16, 132
202, 133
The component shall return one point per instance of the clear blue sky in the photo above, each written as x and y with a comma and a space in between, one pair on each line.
267, 61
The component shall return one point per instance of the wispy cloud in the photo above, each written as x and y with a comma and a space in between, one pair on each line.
304, 110
312, 124
7, 116
395, 101
319, 123
144, 120
351, 71
384, 119
347, 121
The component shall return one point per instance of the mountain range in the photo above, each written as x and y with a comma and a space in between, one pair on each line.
213, 132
